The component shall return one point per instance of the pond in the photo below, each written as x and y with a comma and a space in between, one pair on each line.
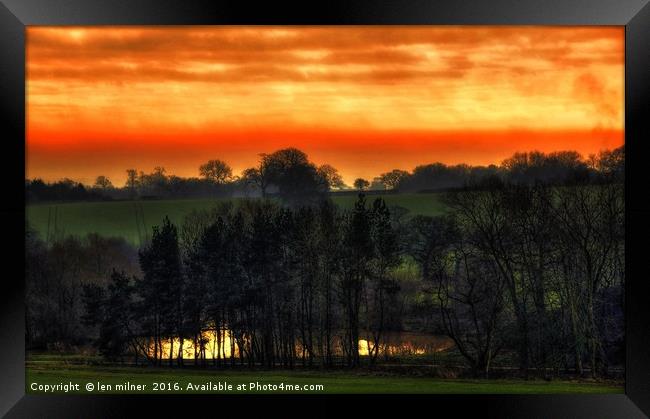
392, 343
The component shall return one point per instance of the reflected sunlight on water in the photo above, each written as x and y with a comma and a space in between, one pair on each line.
404, 343
223, 350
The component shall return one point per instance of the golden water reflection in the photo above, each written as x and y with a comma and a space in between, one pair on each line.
214, 348
393, 344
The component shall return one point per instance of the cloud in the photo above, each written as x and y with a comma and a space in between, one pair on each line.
175, 79
95, 53
365, 99
606, 101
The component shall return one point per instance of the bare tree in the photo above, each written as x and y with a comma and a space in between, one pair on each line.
132, 181
485, 213
381, 287
258, 177
216, 171
470, 291
590, 234
331, 176
103, 182
392, 179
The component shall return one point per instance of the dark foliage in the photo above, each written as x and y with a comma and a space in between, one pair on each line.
64, 190
528, 262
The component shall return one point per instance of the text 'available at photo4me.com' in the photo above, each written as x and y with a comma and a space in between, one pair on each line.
173, 387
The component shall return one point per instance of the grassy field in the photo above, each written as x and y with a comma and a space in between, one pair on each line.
43, 370
119, 218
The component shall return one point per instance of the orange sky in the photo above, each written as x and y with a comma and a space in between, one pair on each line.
364, 99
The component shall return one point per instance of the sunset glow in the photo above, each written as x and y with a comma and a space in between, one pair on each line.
363, 99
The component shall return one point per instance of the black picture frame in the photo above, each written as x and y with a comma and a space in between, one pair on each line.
633, 14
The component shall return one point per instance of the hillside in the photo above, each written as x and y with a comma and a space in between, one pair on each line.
118, 218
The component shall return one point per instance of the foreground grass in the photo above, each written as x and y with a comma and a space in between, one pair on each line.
118, 218
51, 372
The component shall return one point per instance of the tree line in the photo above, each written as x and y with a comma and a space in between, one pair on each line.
290, 175
285, 285
533, 272
285, 173
537, 270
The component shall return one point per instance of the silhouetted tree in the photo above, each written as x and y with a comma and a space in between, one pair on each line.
361, 184
589, 237
355, 272
103, 182
298, 180
393, 178
132, 182
112, 312
216, 171
467, 285
611, 163
381, 287
331, 176
161, 287
258, 177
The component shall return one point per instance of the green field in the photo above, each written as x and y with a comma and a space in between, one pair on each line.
118, 218
43, 370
